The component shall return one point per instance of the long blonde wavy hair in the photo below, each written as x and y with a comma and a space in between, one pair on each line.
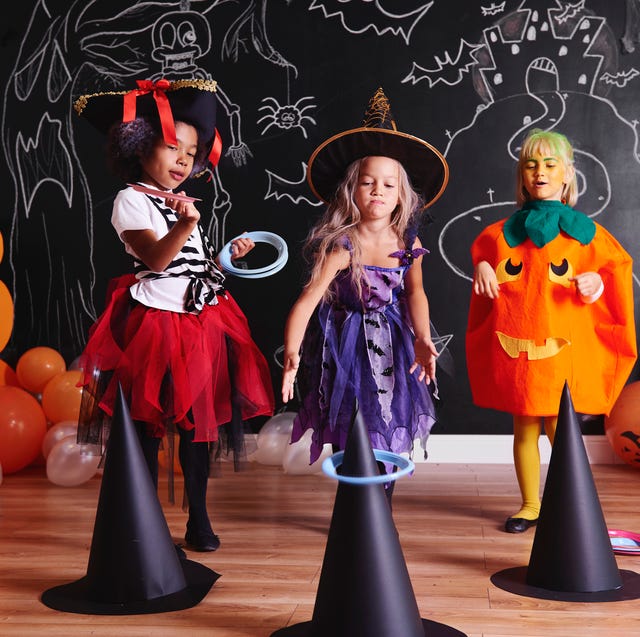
340, 221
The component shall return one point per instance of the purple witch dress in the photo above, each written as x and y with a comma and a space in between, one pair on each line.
362, 349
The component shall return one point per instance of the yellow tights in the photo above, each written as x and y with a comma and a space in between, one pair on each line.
526, 456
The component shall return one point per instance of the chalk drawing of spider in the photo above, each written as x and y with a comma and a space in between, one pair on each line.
286, 117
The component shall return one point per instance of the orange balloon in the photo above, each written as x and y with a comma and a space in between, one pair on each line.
6, 315
7, 375
622, 426
6, 307
22, 428
61, 396
37, 366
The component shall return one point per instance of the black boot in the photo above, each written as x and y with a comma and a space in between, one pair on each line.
194, 460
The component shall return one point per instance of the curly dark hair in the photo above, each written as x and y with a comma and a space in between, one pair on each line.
129, 142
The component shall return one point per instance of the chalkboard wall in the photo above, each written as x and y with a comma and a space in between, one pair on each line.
469, 77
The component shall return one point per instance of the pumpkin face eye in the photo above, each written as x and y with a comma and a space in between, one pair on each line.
561, 274
508, 271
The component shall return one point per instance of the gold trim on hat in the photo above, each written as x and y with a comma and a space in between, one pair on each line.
203, 85
380, 131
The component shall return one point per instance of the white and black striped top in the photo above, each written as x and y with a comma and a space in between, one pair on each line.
191, 280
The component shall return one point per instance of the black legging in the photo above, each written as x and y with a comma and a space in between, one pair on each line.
194, 462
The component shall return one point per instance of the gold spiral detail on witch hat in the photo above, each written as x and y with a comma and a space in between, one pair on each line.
378, 114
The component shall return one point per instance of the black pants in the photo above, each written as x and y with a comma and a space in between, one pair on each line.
194, 461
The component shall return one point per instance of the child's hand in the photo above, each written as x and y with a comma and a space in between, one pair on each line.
184, 209
485, 282
241, 246
587, 283
289, 376
425, 358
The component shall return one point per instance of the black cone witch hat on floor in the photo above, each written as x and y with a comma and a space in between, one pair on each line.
364, 587
134, 567
572, 557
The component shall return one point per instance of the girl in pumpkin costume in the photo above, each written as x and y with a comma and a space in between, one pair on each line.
552, 302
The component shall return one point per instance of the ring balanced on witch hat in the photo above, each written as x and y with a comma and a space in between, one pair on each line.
426, 166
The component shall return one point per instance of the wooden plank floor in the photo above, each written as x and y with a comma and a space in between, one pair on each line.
273, 528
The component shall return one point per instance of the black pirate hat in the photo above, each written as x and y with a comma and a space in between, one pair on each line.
378, 135
193, 101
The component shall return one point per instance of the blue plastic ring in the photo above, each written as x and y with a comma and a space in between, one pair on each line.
257, 273
405, 467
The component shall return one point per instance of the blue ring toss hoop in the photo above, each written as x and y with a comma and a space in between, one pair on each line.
405, 467
256, 273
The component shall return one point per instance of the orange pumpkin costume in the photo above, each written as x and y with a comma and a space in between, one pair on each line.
539, 332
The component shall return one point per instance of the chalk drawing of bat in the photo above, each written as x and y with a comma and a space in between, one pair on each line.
569, 11
494, 9
297, 191
449, 71
620, 79
359, 15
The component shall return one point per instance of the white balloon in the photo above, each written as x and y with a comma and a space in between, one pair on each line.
271, 449
56, 433
281, 423
273, 438
296, 456
68, 465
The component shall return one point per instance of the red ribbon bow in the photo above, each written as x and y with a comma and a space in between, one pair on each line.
158, 89
216, 150
167, 122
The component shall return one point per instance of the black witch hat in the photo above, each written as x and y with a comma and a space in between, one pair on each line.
364, 586
193, 101
134, 567
378, 136
572, 557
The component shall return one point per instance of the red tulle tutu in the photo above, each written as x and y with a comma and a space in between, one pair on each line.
188, 370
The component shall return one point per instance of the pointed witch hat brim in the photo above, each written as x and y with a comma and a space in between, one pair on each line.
572, 557
134, 566
378, 136
364, 586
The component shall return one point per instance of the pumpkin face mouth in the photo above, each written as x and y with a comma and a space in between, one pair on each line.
515, 346
515, 273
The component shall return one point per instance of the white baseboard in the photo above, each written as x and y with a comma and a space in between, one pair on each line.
498, 449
